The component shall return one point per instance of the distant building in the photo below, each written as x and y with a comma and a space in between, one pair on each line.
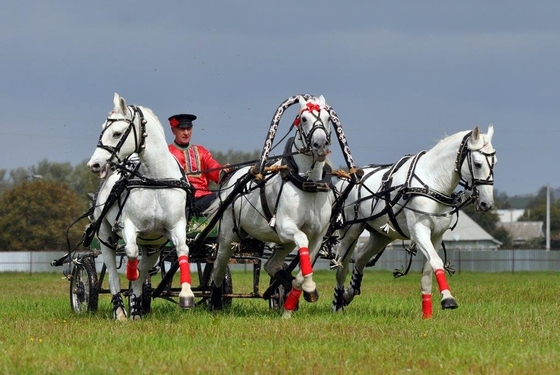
522, 232
509, 216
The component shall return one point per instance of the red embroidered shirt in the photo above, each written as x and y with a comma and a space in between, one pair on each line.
194, 160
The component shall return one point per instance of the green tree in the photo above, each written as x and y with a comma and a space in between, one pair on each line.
84, 181
36, 214
236, 157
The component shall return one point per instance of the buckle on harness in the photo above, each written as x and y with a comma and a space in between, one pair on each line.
313, 187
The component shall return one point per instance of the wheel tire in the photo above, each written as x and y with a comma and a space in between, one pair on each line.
227, 285
276, 301
84, 287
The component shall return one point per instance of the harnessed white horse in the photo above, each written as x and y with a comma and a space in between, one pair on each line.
291, 207
414, 199
142, 203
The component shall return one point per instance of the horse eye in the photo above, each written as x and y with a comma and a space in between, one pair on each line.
477, 165
117, 135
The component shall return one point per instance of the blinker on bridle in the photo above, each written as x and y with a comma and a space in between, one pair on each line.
139, 137
465, 153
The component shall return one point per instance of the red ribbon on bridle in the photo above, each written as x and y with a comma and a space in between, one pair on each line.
310, 107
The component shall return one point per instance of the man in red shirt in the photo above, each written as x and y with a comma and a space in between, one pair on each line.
198, 163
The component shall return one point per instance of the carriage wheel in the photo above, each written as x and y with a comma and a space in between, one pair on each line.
278, 297
227, 285
276, 300
84, 287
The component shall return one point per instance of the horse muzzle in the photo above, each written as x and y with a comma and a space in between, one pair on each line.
320, 153
482, 206
98, 169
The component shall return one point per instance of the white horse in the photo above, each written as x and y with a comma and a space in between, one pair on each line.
144, 204
415, 199
292, 207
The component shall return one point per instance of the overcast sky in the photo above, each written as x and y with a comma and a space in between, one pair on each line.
401, 75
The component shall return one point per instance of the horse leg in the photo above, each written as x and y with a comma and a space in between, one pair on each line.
341, 262
303, 282
425, 244
225, 251
275, 267
110, 260
131, 250
179, 238
375, 243
148, 260
426, 288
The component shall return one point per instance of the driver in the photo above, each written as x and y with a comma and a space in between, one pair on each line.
196, 160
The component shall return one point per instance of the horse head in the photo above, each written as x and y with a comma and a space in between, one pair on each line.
478, 162
122, 134
313, 128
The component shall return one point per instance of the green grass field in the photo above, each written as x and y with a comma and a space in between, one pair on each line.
506, 324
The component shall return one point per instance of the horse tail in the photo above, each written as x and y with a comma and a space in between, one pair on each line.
211, 211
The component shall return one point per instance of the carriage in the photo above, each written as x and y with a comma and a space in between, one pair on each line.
269, 209
124, 176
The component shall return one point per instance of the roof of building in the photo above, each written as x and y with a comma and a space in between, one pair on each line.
468, 230
524, 230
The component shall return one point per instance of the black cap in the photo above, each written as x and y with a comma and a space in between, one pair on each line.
183, 121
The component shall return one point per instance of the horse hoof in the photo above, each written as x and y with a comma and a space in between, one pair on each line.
120, 316
311, 296
287, 314
449, 303
186, 302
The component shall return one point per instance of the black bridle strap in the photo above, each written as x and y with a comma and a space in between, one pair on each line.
139, 136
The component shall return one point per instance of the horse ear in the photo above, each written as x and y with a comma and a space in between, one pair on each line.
322, 101
475, 134
120, 104
490, 132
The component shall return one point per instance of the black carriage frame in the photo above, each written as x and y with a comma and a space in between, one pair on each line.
86, 285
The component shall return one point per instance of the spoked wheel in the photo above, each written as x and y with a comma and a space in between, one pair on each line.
278, 296
227, 285
276, 301
84, 287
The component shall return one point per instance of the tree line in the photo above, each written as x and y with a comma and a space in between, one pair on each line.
38, 205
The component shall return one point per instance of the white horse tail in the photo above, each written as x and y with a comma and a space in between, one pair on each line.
211, 211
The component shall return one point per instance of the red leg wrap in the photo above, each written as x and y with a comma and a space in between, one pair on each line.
441, 280
305, 261
426, 306
185, 269
292, 299
132, 272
